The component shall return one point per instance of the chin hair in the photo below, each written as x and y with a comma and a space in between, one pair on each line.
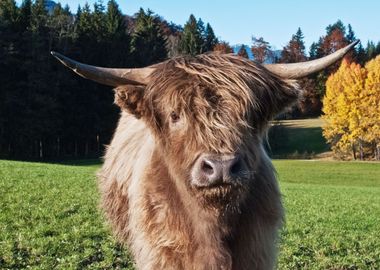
224, 198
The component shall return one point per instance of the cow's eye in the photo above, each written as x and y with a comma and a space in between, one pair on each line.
174, 117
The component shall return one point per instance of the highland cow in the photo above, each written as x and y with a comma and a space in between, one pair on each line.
186, 182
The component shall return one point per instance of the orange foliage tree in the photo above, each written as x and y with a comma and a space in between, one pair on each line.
223, 47
261, 50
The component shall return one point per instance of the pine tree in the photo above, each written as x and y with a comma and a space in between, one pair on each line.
361, 56
191, 41
117, 39
378, 48
114, 20
243, 52
210, 39
295, 50
39, 17
84, 21
98, 21
338, 26
350, 34
313, 52
25, 14
148, 43
370, 50
8, 13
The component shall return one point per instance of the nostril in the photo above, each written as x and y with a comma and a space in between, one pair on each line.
207, 168
236, 167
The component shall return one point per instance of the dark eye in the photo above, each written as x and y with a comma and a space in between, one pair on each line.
174, 117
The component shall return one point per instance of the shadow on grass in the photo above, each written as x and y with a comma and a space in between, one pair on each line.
296, 142
69, 162
81, 162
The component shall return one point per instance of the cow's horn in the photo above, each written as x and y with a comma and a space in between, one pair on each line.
108, 76
303, 69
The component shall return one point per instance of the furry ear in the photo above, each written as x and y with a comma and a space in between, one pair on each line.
285, 96
130, 98
274, 98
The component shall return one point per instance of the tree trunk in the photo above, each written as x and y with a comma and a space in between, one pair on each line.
354, 150
58, 147
98, 144
41, 150
361, 150
86, 149
75, 149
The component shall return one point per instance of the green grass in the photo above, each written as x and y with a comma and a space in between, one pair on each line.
49, 217
332, 215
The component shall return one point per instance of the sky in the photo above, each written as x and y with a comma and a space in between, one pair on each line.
274, 20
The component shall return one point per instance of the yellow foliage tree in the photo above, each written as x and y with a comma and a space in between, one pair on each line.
352, 109
371, 104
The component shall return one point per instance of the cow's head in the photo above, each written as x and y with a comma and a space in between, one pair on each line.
208, 113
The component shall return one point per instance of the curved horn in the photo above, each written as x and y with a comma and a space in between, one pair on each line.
303, 69
108, 76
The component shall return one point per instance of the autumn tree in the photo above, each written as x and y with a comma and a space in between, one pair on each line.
223, 47
351, 108
261, 50
294, 51
371, 106
335, 39
341, 108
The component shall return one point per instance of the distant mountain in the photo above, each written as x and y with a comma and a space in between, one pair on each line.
236, 48
50, 5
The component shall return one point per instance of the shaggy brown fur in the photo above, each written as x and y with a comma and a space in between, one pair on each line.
216, 104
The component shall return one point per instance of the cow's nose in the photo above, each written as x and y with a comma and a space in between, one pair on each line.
211, 170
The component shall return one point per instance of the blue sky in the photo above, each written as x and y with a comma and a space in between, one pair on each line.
275, 20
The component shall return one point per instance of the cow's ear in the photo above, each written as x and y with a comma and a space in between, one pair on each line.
285, 96
130, 98
273, 99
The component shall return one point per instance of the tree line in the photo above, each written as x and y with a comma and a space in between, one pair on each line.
336, 37
46, 112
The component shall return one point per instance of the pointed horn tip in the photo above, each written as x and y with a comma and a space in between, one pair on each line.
354, 43
64, 60
55, 54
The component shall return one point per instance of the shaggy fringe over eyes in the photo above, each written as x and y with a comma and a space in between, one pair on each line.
222, 91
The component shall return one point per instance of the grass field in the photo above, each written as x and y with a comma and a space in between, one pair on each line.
298, 139
49, 217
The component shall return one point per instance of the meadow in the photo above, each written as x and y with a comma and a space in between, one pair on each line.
49, 217
297, 139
